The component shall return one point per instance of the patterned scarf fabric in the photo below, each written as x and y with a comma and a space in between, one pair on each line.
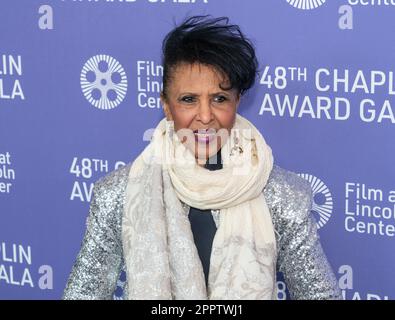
161, 258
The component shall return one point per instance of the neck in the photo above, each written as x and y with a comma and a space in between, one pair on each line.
212, 163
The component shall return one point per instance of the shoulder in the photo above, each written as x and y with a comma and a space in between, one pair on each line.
113, 180
112, 185
106, 206
285, 181
288, 195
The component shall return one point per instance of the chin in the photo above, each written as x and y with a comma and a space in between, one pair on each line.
203, 152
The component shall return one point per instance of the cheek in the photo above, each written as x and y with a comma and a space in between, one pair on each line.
182, 118
226, 119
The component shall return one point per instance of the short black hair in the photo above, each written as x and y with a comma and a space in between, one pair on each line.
212, 42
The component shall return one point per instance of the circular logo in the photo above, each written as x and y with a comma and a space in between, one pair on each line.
322, 199
306, 4
103, 82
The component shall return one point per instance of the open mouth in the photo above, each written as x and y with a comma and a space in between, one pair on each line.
204, 135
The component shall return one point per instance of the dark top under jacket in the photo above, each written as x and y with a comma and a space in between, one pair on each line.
202, 223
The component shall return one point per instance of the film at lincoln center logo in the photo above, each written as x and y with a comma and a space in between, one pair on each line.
103, 82
322, 199
306, 4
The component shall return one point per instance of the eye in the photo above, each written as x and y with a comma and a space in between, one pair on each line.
220, 99
188, 99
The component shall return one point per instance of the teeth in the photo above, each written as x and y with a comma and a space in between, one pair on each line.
204, 135
204, 132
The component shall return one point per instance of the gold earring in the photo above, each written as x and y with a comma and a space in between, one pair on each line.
236, 147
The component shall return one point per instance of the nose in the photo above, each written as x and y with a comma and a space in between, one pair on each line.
205, 112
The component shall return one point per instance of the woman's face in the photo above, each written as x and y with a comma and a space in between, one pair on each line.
197, 104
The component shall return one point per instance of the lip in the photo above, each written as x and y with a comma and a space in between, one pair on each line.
204, 138
207, 130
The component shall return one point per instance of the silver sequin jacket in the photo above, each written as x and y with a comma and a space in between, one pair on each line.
307, 273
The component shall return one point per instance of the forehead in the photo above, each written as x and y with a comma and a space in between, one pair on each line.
196, 77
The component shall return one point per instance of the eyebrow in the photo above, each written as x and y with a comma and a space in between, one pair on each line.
211, 95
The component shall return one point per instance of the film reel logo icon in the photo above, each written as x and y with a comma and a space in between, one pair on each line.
103, 82
306, 4
322, 207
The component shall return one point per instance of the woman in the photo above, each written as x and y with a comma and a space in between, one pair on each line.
203, 212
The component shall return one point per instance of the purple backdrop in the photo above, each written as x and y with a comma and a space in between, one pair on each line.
79, 90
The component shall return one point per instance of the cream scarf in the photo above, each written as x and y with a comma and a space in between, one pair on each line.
161, 258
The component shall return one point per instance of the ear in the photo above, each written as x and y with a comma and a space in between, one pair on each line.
166, 108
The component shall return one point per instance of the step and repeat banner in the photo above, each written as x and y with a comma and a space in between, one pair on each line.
79, 97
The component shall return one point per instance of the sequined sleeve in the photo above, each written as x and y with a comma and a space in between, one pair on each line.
301, 259
96, 270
